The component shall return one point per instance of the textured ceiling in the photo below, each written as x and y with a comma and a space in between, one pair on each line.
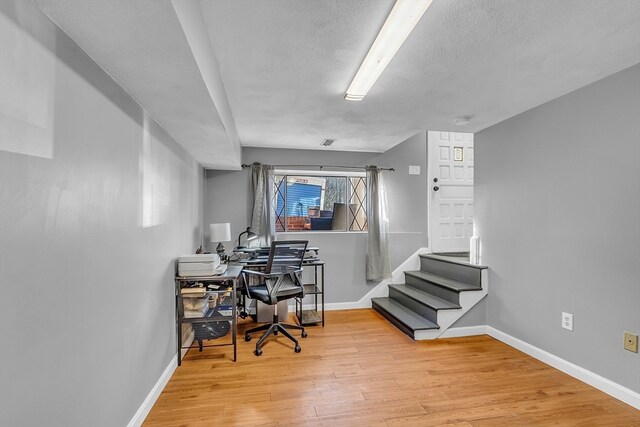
286, 64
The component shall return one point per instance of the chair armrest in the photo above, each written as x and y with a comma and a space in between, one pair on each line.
270, 275
255, 272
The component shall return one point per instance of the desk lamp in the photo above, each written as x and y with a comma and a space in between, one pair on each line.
250, 236
220, 233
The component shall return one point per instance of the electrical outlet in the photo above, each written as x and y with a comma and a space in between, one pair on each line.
631, 342
567, 321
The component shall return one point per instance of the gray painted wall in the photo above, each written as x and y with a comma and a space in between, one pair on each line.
558, 214
227, 200
86, 292
477, 315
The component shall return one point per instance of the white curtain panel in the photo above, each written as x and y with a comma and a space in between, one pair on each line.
378, 266
262, 211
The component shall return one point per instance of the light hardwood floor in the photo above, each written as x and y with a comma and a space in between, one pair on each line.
361, 371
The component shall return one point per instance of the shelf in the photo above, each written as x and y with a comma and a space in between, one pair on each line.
220, 299
311, 289
210, 325
310, 317
207, 291
210, 316
195, 345
314, 293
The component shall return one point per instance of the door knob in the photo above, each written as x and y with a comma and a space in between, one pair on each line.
435, 179
436, 188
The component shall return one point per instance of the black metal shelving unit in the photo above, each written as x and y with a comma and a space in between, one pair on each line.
316, 289
211, 323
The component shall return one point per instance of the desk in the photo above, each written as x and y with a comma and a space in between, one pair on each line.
210, 315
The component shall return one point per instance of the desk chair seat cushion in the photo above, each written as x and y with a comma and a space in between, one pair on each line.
261, 293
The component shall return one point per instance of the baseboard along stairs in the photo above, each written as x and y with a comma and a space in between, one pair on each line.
434, 297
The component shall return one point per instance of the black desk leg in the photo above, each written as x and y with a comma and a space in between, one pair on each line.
323, 295
234, 322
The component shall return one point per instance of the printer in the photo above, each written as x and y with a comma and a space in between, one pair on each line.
198, 265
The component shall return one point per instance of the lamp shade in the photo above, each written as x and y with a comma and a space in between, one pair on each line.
220, 232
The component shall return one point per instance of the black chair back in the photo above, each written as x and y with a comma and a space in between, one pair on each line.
286, 256
281, 280
281, 276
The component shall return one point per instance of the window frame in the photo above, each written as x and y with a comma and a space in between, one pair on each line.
286, 173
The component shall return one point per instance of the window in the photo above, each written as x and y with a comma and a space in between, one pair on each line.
320, 202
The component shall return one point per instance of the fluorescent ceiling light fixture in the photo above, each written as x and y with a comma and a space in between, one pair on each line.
403, 18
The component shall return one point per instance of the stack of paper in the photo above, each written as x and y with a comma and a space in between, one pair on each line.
198, 265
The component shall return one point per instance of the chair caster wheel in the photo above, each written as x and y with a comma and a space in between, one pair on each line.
243, 315
247, 338
297, 349
258, 352
275, 332
304, 334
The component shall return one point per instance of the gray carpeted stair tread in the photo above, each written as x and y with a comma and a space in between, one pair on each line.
425, 298
403, 314
453, 260
443, 281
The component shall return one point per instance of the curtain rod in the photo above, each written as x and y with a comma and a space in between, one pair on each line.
319, 166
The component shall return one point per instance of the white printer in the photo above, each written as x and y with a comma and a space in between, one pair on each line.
198, 265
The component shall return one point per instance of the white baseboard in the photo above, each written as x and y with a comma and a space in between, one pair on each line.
614, 389
345, 305
153, 395
464, 331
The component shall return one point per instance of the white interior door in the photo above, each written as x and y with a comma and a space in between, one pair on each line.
450, 177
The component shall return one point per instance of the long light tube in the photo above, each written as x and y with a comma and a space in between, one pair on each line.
403, 18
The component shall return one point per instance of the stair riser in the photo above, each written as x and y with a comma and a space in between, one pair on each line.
436, 290
393, 320
423, 310
461, 273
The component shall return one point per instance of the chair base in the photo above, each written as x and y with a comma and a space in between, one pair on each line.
273, 329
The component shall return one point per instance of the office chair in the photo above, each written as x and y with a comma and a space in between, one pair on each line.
280, 280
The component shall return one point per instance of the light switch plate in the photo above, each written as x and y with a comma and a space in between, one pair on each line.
631, 342
414, 169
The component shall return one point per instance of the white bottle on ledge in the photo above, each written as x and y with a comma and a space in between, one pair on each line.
474, 250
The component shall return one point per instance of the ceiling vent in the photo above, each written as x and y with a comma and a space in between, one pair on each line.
462, 121
327, 142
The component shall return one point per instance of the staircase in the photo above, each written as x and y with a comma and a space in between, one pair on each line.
434, 297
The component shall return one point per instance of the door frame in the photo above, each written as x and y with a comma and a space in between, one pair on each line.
432, 225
